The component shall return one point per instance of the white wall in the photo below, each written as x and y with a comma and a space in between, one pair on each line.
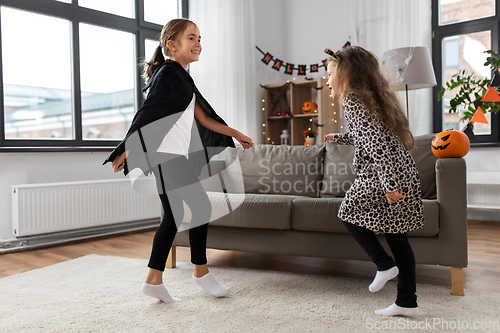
46, 167
298, 31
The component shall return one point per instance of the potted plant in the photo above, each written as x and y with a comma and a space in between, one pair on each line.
310, 137
472, 89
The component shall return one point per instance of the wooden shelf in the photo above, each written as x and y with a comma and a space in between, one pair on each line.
280, 117
283, 97
293, 116
305, 115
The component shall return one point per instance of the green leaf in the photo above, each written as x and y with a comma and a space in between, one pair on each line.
441, 93
471, 87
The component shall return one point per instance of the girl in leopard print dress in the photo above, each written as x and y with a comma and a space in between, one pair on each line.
385, 197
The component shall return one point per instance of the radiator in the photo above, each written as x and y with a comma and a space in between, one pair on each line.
483, 195
483, 190
47, 208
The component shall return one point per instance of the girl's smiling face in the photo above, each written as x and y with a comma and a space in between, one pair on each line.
331, 82
187, 48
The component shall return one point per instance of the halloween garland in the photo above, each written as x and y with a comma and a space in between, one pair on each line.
491, 96
289, 67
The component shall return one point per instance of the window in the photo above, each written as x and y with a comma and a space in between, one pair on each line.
107, 73
117, 7
160, 11
465, 52
454, 11
451, 52
69, 70
36, 76
462, 31
151, 46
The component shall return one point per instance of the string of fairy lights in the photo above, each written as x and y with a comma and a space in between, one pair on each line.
268, 139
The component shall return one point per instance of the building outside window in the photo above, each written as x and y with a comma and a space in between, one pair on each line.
71, 73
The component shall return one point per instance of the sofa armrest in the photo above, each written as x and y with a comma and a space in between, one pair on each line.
451, 187
209, 182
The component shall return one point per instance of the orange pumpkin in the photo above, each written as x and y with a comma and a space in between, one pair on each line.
450, 143
309, 107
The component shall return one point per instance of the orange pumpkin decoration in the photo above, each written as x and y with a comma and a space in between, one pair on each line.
309, 107
450, 143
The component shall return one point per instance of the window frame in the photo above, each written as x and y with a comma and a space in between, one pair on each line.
439, 32
75, 14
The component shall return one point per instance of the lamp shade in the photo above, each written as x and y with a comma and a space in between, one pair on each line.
410, 68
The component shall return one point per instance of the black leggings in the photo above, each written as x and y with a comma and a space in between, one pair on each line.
403, 253
176, 183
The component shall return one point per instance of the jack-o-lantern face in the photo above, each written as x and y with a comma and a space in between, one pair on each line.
309, 107
450, 144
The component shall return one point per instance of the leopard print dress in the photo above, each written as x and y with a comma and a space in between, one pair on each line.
382, 165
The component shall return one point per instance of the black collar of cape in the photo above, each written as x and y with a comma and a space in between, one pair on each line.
171, 89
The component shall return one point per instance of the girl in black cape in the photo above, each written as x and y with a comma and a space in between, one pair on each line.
174, 135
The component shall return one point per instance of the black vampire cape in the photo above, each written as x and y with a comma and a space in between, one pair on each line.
170, 92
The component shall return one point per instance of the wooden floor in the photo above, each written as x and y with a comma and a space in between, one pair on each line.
483, 272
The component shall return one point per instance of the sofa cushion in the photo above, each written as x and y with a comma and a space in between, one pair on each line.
252, 210
339, 172
320, 215
285, 170
317, 214
426, 162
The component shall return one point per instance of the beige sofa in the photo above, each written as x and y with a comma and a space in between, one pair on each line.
292, 195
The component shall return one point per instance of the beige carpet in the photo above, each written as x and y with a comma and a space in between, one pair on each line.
102, 294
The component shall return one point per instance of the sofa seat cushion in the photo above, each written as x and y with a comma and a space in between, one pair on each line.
252, 210
317, 214
320, 215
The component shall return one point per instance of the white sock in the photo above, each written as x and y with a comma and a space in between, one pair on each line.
208, 283
395, 310
382, 277
158, 291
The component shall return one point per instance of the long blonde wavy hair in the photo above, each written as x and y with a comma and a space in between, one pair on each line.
358, 70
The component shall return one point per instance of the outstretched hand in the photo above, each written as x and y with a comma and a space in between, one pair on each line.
244, 140
393, 197
119, 162
329, 138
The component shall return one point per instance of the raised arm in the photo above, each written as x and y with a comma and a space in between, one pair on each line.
215, 126
340, 138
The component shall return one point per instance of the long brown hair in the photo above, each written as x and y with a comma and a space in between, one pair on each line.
170, 31
358, 70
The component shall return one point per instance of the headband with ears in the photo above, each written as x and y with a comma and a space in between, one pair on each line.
332, 54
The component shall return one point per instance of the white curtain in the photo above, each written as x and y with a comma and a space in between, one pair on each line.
225, 73
382, 25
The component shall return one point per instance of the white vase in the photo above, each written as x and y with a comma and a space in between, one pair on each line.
311, 140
